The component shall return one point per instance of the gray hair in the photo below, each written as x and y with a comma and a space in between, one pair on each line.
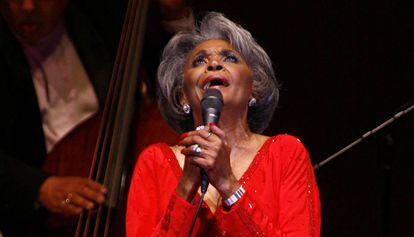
170, 72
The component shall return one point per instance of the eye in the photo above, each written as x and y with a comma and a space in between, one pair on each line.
198, 61
231, 58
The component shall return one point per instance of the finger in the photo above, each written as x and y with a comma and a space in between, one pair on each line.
66, 208
80, 201
191, 133
202, 138
193, 150
190, 159
189, 138
195, 139
206, 134
92, 194
198, 161
216, 130
70, 209
195, 131
95, 186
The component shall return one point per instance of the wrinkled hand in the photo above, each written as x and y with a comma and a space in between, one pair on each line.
189, 181
70, 195
214, 158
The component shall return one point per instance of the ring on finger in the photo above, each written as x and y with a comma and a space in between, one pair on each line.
209, 134
201, 127
197, 149
68, 197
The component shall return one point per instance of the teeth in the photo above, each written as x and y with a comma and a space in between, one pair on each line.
207, 85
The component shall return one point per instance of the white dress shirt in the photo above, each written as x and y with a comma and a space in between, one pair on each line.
64, 92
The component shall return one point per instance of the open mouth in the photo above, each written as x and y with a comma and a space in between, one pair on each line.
215, 82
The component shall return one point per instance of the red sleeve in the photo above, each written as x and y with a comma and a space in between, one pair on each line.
295, 190
153, 208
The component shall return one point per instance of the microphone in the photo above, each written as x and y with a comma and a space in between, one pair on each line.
211, 105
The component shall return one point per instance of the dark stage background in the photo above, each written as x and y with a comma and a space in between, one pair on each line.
345, 66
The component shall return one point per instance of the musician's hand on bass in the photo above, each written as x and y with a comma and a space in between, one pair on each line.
70, 195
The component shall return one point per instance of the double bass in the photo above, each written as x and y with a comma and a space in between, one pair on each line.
102, 156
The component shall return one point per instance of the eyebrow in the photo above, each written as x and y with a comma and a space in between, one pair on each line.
224, 52
201, 53
227, 52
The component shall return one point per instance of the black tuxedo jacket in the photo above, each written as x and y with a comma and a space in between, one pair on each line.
22, 143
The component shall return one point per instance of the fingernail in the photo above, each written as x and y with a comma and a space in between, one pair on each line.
182, 136
212, 124
101, 199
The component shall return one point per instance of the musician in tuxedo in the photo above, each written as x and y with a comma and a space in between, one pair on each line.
54, 73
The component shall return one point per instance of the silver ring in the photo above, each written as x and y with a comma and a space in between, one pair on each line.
68, 197
209, 134
197, 148
201, 127
67, 201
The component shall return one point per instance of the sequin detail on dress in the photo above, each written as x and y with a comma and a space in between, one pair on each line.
310, 202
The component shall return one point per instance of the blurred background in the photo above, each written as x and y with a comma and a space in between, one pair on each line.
345, 67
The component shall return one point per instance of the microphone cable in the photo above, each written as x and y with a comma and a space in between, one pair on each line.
190, 231
211, 104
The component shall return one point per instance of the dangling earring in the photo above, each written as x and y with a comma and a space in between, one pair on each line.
252, 102
186, 108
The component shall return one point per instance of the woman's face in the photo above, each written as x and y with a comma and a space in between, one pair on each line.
216, 64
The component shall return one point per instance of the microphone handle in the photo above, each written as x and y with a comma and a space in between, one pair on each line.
210, 115
204, 181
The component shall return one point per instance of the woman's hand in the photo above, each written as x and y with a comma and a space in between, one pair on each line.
213, 158
70, 195
189, 181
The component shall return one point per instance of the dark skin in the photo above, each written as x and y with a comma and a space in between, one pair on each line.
227, 149
83, 194
31, 21
215, 160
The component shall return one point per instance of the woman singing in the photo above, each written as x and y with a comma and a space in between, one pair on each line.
259, 185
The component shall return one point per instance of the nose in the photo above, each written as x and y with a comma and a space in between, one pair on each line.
214, 66
28, 5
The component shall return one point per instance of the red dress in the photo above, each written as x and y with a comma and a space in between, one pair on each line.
281, 196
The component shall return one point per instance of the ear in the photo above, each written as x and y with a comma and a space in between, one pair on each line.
183, 99
252, 95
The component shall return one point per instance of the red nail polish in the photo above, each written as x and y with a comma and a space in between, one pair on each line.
182, 136
212, 124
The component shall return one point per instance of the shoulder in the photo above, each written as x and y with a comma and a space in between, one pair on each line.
287, 148
154, 155
155, 147
155, 151
286, 142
